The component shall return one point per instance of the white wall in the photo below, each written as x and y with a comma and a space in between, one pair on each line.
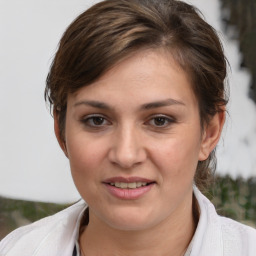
31, 164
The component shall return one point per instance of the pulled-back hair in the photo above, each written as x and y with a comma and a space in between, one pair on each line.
111, 30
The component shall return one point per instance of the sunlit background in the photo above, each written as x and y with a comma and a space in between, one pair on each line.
32, 167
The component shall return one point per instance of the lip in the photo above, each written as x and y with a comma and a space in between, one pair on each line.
127, 180
126, 193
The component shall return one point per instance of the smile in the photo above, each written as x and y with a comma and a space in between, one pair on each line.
130, 188
131, 185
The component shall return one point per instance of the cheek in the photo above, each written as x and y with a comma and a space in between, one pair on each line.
85, 154
178, 156
86, 164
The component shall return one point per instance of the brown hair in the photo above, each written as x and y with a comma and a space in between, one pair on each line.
113, 29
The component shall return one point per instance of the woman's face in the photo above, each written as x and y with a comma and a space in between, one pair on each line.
133, 139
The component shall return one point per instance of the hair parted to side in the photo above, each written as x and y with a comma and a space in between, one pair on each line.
114, 29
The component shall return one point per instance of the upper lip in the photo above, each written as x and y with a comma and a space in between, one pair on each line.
127, 180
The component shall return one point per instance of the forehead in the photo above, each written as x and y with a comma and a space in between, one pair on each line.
148, 75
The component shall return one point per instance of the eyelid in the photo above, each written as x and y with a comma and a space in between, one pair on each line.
85, 119
170, 120
93, 115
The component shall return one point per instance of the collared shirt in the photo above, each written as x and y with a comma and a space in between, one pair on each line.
76, 251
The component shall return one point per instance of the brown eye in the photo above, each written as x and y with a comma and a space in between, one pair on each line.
95, 121
160, 121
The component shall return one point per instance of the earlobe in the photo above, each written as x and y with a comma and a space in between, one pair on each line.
60, 140
211, 135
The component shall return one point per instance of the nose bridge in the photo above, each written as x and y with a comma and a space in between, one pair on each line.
127, 149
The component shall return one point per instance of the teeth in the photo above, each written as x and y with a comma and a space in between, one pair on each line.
139, 184
123, 185
129, 185
132, 185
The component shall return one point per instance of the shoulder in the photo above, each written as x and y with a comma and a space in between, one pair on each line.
237, 236
49, 231
217, 235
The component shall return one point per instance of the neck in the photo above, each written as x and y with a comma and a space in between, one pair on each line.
171, 237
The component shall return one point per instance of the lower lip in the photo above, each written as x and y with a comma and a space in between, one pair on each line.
129, 194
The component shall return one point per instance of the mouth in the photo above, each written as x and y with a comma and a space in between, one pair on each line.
130, 185
128, 188
129, 182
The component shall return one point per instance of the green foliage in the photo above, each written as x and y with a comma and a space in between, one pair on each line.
30, 210
235, 199
15, 213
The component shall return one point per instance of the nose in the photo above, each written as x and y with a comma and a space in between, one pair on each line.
127, 148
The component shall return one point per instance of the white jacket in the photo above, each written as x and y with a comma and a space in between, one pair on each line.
56, 235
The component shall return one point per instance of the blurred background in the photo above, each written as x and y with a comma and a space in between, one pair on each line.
35, 179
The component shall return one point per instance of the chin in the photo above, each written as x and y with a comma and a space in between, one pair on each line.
130, 220
130, 226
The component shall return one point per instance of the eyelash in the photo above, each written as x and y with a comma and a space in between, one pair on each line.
89, 121
167, 121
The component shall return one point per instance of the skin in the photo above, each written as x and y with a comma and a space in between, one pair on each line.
146, 124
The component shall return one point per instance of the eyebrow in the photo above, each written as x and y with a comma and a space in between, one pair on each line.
93, 103
146, 106
163, 103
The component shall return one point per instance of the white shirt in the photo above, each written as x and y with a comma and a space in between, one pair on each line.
56, 235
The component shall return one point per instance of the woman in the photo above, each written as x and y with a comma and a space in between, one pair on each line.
138, 97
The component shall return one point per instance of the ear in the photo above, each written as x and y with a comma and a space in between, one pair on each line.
60, 140
211, 134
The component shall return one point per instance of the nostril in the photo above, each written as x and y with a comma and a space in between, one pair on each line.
126, 159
